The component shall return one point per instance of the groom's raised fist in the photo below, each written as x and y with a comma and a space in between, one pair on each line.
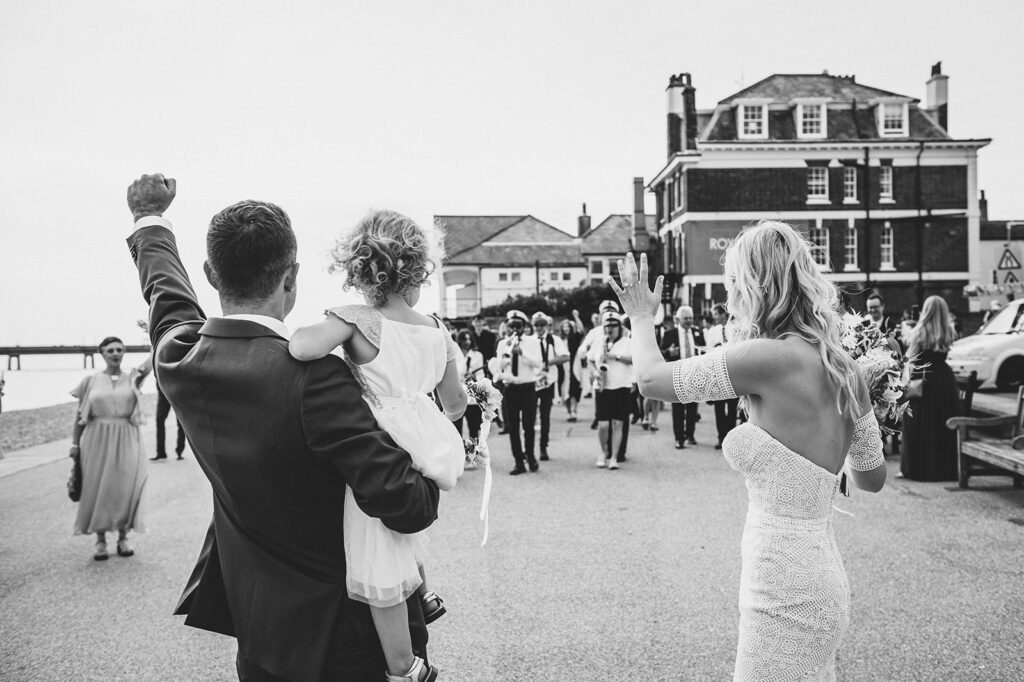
151, 195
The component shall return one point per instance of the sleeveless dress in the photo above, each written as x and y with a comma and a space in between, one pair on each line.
794, 599
382, 565
929, 448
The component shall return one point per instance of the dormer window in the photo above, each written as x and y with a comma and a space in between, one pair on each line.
811, 120
892, 119
753, 121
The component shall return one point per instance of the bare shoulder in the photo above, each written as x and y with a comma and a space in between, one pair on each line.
758, 364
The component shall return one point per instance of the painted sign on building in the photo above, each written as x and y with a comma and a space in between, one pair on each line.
706, 243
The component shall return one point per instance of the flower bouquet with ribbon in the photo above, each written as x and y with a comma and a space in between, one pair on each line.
489, 400
882, 366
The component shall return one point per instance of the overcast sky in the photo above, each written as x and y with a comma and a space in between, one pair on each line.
475, 107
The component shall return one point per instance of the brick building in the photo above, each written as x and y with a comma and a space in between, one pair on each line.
873, 178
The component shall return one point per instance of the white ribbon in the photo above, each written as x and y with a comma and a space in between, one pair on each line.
485, 503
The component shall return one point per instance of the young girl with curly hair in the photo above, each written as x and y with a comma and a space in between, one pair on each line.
400, 358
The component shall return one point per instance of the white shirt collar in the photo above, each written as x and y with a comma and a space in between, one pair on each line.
274, 325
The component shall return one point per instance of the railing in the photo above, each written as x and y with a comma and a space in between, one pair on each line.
14, 353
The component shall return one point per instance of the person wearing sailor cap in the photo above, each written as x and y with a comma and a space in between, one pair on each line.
519, 358
593, 336
553, 352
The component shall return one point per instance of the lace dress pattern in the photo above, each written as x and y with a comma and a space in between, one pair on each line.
794, 598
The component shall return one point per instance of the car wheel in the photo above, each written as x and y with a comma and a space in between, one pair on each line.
1011, 374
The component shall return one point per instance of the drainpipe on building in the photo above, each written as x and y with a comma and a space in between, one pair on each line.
867, 217
536, 275
920, 229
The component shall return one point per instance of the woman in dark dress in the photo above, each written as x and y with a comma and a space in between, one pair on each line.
929, 448
568, 384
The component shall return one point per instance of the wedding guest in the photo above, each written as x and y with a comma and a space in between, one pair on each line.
683, 342
493, 365
876, 311
811, 417
554, 354
929, 448
569, 380
163, 409
485, 341
725, 410
107, 439
404, 357
611, 357
592, 337
519, 360
471, 366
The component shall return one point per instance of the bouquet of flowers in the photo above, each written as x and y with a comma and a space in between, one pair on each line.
882, 367
489, 400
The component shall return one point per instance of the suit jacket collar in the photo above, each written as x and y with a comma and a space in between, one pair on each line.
234, 328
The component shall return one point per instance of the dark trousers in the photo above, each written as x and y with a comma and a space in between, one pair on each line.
545, 397
350, 656
725, 417
684, 418
472, 419
521, 400
163, 408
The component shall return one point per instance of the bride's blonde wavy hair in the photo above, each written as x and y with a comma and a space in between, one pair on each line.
775, 290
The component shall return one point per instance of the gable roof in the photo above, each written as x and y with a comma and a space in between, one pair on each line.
500, 255
507, 240
462, 232
612, 235
530, 229
781, 88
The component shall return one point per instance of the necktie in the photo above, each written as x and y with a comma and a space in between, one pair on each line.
515, 363
547, 345
687, 346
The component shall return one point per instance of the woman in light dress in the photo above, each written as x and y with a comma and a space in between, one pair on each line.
810, 415
107, 438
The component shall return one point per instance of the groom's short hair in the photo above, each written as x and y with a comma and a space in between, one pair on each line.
249, 246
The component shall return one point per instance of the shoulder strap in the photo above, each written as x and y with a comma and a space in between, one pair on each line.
365, 318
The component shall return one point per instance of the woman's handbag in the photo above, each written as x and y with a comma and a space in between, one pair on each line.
915, 389
75, 478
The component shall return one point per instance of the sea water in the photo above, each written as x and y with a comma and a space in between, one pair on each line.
48, 379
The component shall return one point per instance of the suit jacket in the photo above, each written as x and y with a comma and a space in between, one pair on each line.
671, 338
278, 439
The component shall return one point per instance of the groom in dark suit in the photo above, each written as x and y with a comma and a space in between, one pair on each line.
278, 439
680, 343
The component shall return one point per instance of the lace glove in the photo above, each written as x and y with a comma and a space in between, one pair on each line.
866, 449
701, 378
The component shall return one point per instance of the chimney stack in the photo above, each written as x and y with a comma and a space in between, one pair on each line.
583, 223
682, 114
641, 238
938, 95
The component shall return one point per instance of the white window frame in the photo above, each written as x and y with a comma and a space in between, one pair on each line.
904, 116
819, 236
817, 198
886, 248
885, 185
597, 261
741, 128
850, 188
851, 247
801, 118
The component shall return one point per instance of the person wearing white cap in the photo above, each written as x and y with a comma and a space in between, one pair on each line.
553, 352
592, 337
519, 359
613, 361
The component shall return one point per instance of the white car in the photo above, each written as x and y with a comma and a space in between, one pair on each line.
995, 352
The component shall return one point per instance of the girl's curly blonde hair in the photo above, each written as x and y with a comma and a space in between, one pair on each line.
386, 253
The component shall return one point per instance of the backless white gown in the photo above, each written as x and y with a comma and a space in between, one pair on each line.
794, 599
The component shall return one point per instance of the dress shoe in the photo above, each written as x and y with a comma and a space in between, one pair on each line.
718, 445
180, 456
690, 441
532, 463
544, 455
518, 470
679, 445
158, 458
433, 607
593, 424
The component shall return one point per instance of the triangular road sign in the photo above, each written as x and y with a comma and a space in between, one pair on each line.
1008, 261
1010, 277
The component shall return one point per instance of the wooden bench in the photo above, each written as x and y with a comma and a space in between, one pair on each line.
990, 446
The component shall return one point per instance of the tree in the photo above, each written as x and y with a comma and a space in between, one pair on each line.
555, 302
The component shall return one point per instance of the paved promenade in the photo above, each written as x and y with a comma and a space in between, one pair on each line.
589, 574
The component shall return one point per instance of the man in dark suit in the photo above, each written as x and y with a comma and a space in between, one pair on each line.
279, 440
486, 340
680, 343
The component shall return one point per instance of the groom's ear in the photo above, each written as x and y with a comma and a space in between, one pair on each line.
290, 277
211, 277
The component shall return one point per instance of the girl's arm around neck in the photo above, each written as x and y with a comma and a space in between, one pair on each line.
317, 340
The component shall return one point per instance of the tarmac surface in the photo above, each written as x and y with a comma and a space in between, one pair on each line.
589, 574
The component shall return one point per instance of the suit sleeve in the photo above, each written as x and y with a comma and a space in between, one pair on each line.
340, 430
165, 284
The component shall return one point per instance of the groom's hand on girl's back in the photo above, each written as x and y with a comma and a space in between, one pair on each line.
150, 195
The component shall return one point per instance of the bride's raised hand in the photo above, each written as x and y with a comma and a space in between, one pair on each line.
636, 297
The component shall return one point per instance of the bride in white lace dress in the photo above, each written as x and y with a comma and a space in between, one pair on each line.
810, 418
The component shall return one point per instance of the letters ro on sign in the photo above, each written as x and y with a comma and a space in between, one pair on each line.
720, 243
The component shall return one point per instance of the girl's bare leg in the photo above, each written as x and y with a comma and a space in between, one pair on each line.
392, 625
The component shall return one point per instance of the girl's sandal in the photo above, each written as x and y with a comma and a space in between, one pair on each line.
433, 607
